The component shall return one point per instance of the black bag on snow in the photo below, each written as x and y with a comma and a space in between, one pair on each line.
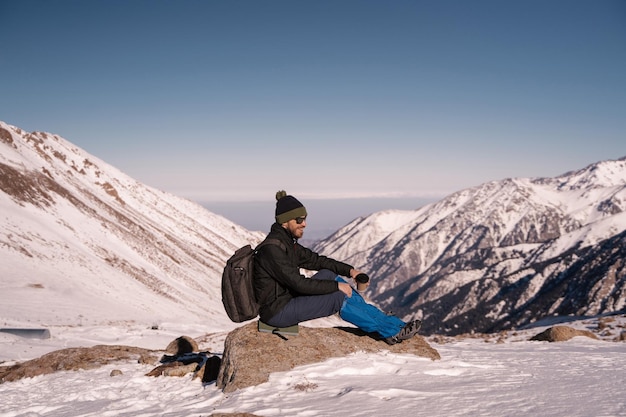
237, 288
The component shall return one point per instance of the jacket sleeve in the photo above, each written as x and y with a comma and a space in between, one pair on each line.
311, 260
276, 262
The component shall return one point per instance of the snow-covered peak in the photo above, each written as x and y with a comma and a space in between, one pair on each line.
604, 174
462, 250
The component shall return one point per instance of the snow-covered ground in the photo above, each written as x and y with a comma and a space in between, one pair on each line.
475, 377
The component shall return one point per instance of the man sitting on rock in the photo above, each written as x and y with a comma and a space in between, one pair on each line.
286, 297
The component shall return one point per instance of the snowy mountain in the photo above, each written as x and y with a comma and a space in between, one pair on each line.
499, 255
92, 246
89, 244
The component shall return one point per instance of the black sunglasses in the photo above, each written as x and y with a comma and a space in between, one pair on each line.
300, 220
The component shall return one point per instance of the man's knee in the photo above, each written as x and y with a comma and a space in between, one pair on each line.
325, 274
337, 300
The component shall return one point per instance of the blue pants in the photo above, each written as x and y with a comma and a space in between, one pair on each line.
368, 317
352, 309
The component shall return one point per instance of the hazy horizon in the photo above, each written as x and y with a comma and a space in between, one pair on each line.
325, 216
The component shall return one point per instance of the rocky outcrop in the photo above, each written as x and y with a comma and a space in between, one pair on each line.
184, 359
561, 334
72, 359
182, 345
251, 356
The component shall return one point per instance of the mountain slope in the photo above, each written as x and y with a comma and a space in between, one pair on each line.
498, 255
79, 235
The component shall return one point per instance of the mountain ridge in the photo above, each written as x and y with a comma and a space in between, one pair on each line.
453, 256
78, 232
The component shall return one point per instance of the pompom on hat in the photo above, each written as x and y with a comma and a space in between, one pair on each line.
288, 207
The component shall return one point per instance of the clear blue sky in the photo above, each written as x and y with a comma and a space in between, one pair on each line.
233, 100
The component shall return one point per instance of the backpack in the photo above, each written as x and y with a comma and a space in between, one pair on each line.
237, 288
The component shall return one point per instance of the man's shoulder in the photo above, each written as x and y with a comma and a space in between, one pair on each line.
273, 241
272, 244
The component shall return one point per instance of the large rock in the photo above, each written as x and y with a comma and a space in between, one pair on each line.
72, 359
561, 334
251, 356
182, 345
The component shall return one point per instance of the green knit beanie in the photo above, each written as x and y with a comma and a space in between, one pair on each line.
288, 207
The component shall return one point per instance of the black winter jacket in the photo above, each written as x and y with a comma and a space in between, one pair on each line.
277, 277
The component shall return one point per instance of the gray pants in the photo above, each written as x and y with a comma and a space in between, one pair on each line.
309, 307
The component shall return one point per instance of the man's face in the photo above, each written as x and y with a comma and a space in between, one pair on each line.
296, 227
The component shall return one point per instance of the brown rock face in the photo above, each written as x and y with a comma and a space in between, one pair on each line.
72, 359
182, 345
561, 334
250, 356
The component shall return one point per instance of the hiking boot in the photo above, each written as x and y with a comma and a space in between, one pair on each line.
392, 340
408, 331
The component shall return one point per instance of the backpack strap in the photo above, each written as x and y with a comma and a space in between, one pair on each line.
272, 241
